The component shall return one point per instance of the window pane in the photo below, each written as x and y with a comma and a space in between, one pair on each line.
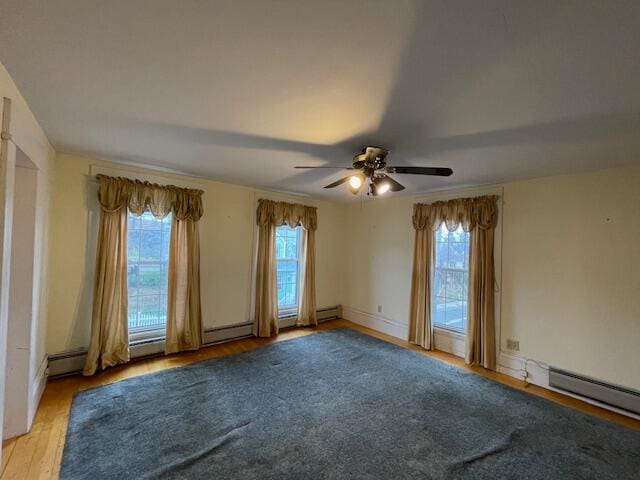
455, 285
457, 255
166, 238
442, 249
149, 222
148, 257
280, 246
133, 244
292, 247
439, 309
454, 317
132, 276
451, 277
150, 245
149, 277
438, 284
465, 286
133, 222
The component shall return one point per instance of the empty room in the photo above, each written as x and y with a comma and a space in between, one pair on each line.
303, 239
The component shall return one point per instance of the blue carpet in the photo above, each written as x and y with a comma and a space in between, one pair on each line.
335, 405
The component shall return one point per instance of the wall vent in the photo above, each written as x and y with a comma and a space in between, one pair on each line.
513, 344
613, 395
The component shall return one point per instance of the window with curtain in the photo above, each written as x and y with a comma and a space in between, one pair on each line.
148, 261
451, 279
288, 249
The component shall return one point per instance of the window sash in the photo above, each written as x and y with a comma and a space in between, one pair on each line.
289, 308
147, 313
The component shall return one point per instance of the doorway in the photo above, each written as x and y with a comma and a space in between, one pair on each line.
22, 385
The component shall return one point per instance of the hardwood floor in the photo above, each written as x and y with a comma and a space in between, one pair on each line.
37, 454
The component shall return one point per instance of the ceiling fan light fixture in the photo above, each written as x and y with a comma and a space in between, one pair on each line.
355, 184
383, 187
380, 186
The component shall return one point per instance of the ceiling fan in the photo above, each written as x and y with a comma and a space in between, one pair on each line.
373, 169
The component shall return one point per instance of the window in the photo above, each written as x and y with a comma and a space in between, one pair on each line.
288, 266
451, 279
148, 260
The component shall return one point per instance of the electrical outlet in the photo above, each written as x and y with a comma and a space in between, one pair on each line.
379, 308
513, 344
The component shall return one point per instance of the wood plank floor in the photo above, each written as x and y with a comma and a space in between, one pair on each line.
37, 454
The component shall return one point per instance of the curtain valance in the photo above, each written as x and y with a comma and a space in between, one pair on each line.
469, 213
114, 193
292, 214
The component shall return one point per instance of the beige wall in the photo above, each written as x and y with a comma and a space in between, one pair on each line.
570, 269
571, 272
226, 238
379, 257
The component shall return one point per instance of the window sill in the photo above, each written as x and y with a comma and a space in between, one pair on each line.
146, 336
287, 313
449, 331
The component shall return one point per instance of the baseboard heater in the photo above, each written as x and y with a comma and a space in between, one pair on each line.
613, 395
71, 362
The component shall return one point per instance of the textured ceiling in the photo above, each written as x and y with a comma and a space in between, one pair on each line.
241, 91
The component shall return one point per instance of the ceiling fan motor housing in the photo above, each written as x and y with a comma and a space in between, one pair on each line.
370, 160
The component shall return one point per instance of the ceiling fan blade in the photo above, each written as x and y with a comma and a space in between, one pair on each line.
393, 185
438, 171
340, 168
338, 182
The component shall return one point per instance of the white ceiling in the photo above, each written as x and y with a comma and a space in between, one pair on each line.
241, 91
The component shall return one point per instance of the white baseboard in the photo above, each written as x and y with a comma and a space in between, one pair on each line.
376, 322
537, 374
444, 340
515, 366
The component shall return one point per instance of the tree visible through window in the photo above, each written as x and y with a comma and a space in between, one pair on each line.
451, 278
288, 266
148, 260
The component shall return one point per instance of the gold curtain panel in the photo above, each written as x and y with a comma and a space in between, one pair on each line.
479, 216
270, 215
109, 328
